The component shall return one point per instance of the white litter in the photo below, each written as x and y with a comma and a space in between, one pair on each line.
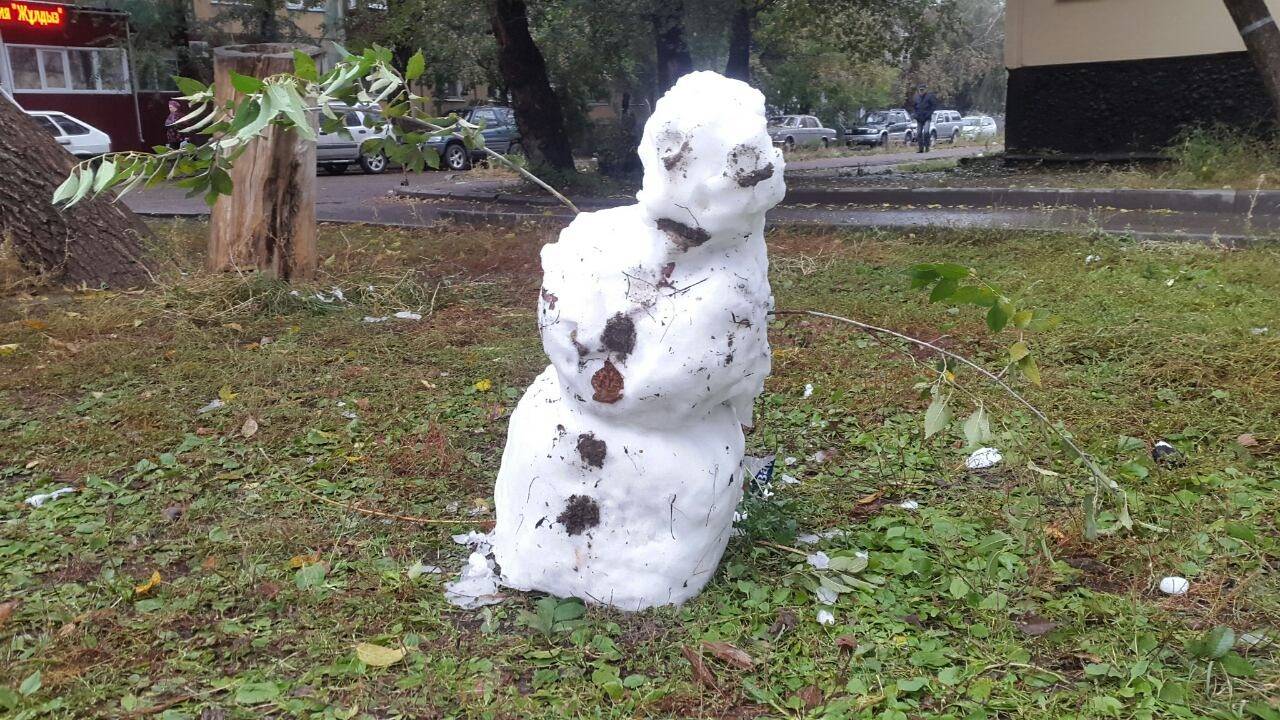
372, 319
406, 315
475, 540
808, 390
622, 468
476, 586
214, 405
819, 457
1174, 585
819, 560
826, 595
808, 539
417, 570
790, 461
826, 617
42, 498
789, 479
1259, 330
909, 505
1253, 638
983, 458
1089, 260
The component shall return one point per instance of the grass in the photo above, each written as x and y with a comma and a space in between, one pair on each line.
987, 601
928, 166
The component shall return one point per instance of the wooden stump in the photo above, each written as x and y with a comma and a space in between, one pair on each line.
268, 223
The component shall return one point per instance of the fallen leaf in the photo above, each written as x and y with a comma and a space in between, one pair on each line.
378, 656
700, 671
8, 349
1247, 440
484, 385
7, 609
36, 324
210, 563
225, 394
847, 642
250, 427
72, 348
1035, 625
363, 403
868, 499
300, 561
787, 620
233, 326
150, 584
607, 383
730, 654
810, 696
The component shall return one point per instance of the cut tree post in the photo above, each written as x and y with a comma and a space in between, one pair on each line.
1261, 36
98, 242
268, 222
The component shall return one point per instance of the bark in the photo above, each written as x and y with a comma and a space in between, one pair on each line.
268, 223
673, 58
96, 242
739, 65
524, 73
1262, 37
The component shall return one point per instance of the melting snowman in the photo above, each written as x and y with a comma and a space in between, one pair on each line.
621, 472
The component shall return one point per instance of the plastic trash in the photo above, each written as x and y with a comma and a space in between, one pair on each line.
983, 458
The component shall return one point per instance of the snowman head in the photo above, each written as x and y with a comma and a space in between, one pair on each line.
710, 168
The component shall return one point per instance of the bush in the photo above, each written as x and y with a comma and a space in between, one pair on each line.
1225, 155
614, 146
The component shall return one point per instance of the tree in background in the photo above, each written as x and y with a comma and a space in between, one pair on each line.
966, 65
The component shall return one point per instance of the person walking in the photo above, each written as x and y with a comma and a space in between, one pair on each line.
921, 107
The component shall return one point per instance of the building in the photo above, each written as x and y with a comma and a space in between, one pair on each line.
1101, 78
76, 60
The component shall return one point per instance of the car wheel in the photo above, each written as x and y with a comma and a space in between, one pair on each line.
826, 143
335, 168
933, 137
884, 140
789, 144
373, 164
516, 150
955, 136
455, 157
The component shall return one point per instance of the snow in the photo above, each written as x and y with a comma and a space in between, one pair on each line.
622, 469
826, 617
39, 499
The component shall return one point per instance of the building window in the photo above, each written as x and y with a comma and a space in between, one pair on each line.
54, 69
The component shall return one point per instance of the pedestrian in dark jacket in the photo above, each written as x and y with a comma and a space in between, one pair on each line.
922, 105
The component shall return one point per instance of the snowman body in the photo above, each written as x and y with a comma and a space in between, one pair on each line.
621, 472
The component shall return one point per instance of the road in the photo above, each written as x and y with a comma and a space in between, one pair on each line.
883, 159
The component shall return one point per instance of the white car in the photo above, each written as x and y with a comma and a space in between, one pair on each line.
77, 136
336, 151
978, 128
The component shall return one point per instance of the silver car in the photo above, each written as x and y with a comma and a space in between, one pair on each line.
946, 125
793, 131
336, 151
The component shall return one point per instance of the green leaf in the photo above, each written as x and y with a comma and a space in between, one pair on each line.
288, 98
106, 172
958, 588
31, 684
634, 680
84, 186
1236, 665
847, 564
922, 276
951, 271
304, 66
310, 576
570, 609
1022, 318
378, 656
944, 289
998, 315
8, 698
912, 684
1241, 531
189, 87
255, 693
220, 181
1218, 641
1029, 369
67, 189
1018, 350
1261, 710
973, 295
937, 417
977, 428
245, 84
417, 64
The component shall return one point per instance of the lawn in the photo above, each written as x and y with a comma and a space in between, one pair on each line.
225, 559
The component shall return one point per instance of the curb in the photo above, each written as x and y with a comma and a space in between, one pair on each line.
1225, 202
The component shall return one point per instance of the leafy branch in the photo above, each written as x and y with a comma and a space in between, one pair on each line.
287, 101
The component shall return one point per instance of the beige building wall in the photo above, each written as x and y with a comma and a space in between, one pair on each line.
311, 22
1059, 32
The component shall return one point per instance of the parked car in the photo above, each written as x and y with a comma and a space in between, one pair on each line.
501, 134
946, 125
978, 128
880, 128
336, 151
77, 136
792, 131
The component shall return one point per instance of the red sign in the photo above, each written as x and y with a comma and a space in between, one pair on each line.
14, 13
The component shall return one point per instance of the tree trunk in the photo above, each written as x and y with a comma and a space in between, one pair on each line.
673, 58
268, 222
739, 65
96, 242
524, 72
1262, 38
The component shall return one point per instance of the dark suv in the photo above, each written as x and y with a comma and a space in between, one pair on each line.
880, 128
500, 135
